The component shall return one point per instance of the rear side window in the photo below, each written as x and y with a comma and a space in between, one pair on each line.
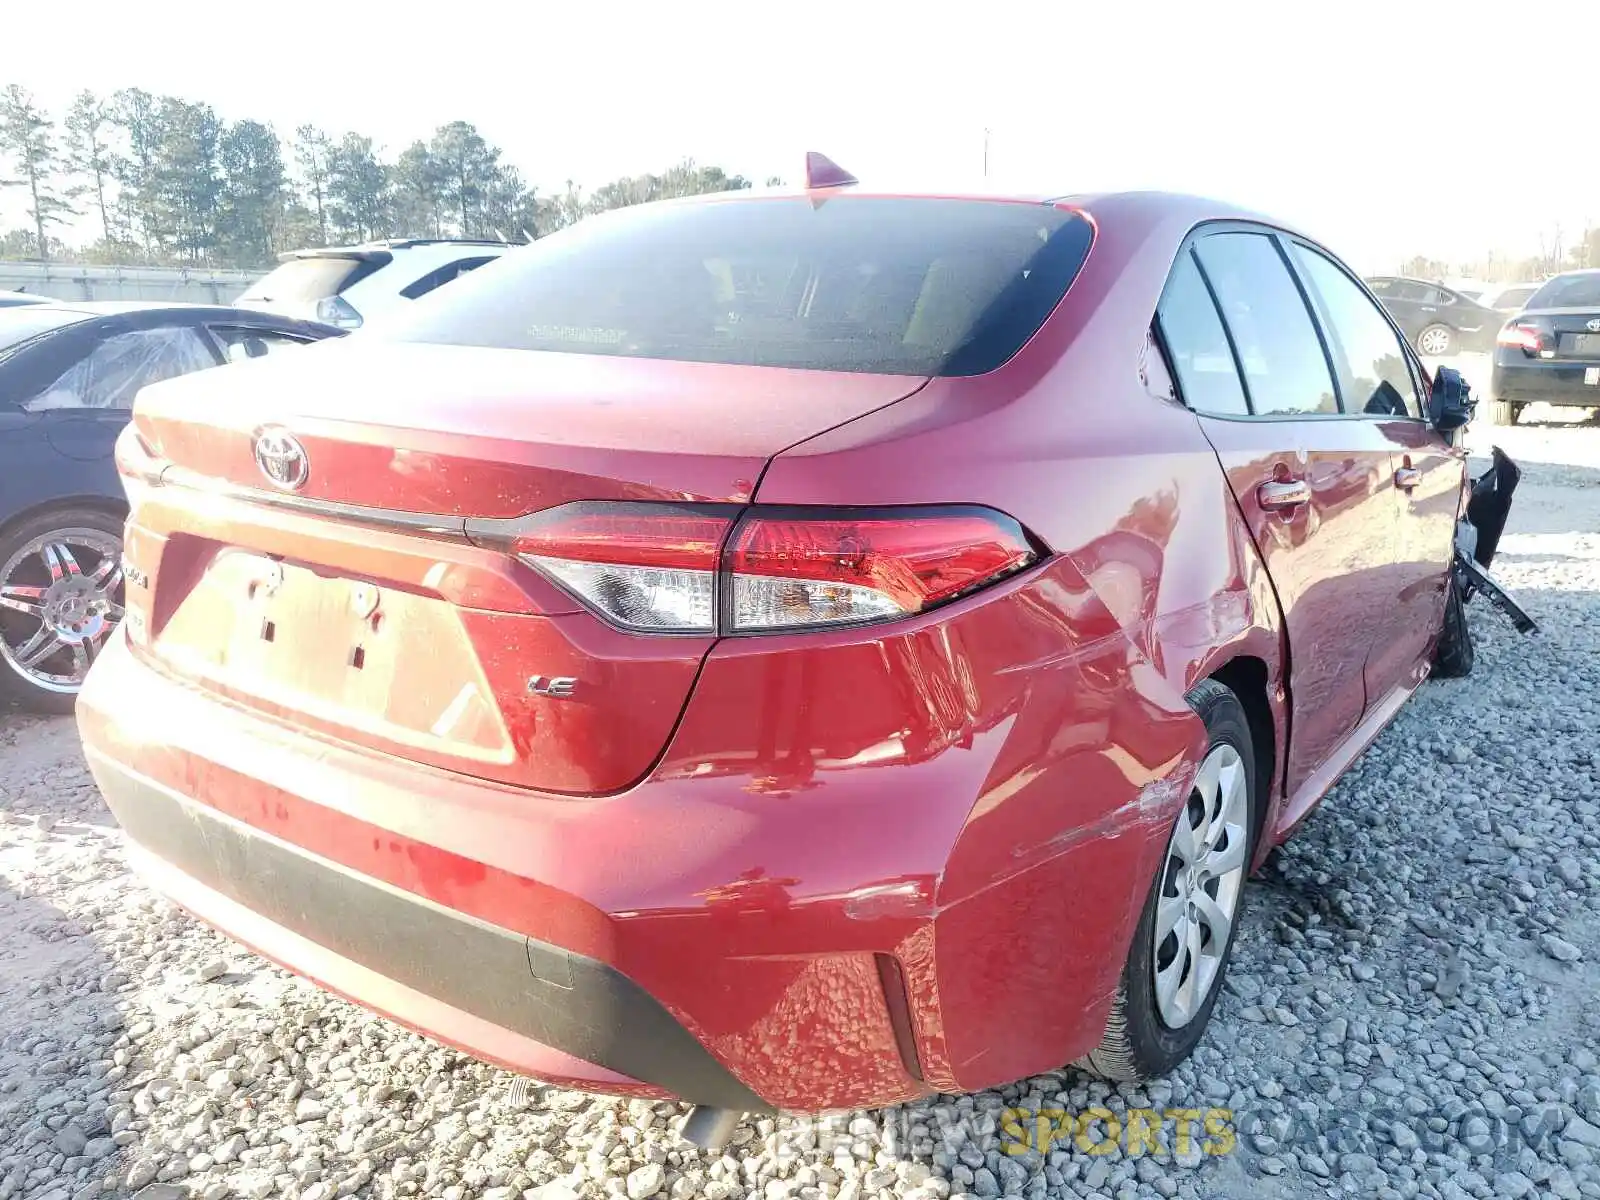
1285, 370
1374, 376
1197, 345
1568, 291
315, 278
901, 286
240, 342
442, 275
111, 375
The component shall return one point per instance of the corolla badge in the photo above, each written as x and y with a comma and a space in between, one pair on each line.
1594, 325
282, 458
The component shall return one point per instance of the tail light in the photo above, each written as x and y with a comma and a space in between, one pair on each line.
645, 567
137, 463
1525, 336
670, 569
336, 310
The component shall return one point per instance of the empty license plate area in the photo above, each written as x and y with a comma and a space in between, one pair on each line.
343, 653
1580, 345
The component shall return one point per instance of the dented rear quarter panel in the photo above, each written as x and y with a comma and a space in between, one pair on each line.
1154, 584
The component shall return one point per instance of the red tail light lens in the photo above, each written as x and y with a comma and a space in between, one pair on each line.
790, 572
1527, 338
643, 566
663, 568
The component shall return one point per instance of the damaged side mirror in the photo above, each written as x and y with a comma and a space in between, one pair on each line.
1451, 402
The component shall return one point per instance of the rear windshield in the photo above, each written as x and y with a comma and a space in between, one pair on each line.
19, 324
902, 286
1568, 291
1514, 297
314, 278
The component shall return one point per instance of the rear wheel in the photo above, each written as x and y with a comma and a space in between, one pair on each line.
1179, 956
60, 597
1436, 341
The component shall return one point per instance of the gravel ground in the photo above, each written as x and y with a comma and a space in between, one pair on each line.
1411, 1009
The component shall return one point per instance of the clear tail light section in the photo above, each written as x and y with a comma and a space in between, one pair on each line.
656, 568
645, 567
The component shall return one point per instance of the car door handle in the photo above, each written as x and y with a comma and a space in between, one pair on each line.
1279, 495
1406, 478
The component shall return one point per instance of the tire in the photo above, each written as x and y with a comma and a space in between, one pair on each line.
1437, 341
84, 605
1453, 656
1140, 1042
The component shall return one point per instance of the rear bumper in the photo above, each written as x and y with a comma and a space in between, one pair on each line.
1548, 381
503, 997
808, 904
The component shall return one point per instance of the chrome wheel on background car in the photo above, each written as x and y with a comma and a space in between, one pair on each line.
60, 597
1199, 893
1435, 341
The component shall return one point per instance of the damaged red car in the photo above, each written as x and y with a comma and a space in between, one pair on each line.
785, 650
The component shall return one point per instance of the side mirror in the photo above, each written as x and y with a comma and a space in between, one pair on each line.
1451, 402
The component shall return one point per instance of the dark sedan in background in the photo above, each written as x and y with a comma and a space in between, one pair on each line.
1437, 320
68, 376
1550, 351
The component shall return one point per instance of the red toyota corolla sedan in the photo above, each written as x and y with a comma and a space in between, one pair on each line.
784, 651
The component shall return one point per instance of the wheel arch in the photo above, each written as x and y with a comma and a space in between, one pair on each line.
99, 503
1247, 677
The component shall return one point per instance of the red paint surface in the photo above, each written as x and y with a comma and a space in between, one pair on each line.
741, 825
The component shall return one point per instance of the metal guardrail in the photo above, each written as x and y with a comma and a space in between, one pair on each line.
80, 281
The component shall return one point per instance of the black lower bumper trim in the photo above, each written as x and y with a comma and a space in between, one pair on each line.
570, 1002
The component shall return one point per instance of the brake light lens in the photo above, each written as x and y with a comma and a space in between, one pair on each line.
336, 310
1527, 338
796, 571
680, 569
644, 567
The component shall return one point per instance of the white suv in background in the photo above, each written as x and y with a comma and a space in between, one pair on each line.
348, 286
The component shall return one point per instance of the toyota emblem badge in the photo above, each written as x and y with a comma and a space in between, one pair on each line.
282, 458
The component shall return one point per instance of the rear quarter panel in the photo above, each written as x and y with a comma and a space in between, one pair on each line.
1154, 585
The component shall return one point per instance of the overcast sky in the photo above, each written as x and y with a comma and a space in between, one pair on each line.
1384, 128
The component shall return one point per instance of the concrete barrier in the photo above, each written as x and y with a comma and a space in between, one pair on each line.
77, 281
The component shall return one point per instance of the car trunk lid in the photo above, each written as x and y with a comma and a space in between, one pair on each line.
355, 606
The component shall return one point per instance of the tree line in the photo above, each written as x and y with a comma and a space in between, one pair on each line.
166, 181
1554, 256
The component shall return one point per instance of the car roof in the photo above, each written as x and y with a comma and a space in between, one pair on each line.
389, 246
1143, 207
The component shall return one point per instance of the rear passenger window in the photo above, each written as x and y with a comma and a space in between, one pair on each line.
440, 276
1285, 370
1197, 344
1374, 376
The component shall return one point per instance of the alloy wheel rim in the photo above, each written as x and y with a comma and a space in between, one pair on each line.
1434, 341
1200, 885
60, 597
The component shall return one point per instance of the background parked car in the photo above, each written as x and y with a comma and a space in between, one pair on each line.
349, 285
17, 299
68, 376
1550, 351
1508, 297
1437, 320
